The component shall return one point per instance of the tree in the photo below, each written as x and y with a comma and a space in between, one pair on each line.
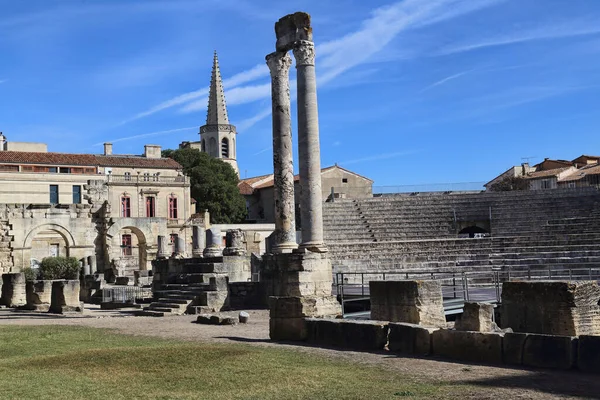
213, 185
510, 183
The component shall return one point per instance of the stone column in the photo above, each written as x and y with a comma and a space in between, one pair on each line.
162, 247
234, 243
279, 64
213, 243
198, 240
179, 247
309, 153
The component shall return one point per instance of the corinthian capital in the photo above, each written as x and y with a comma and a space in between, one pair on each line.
304, 52
279, 63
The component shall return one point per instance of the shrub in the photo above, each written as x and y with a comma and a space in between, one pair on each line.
30, 274
59, 268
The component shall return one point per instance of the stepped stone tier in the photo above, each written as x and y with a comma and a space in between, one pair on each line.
421, 232
552, 307
414, 302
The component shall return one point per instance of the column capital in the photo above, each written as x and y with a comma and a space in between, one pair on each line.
279, 63
304, 52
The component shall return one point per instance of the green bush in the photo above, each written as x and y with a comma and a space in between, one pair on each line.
59, 268
30, 274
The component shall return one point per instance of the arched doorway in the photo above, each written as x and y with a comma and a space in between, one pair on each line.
48, 240
473, 231
129, 245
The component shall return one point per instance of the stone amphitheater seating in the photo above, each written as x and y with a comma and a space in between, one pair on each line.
529, 229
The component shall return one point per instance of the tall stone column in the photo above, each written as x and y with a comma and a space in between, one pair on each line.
279, 64
309, 152
198, 240
162, 247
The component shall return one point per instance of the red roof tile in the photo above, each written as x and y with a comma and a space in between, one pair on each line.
91, 160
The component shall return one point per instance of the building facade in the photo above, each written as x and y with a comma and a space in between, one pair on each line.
103, 209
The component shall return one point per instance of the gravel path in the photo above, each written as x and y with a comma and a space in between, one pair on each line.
490, 382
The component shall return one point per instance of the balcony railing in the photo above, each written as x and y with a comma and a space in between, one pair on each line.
148, 179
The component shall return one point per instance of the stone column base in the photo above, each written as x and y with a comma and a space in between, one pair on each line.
212, 252
287, 314
197, 253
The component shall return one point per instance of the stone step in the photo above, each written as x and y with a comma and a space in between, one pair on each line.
148, 313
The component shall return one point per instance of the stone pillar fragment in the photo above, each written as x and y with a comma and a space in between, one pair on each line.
179, 247
162, 247
213, 243
65, 297
198, 240
13, 290
283, 166
309, 153
234, 243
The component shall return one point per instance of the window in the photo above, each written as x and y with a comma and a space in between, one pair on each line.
53, 194
126, 244
546, 184
172, 207
146, 176
150, 207
127, 176
64, 170
125, 207
225, 148
571, 185
9, 168
50, 169
155, 176
76, 194
344, 180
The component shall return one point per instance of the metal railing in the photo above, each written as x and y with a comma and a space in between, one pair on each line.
126, 294
457, 287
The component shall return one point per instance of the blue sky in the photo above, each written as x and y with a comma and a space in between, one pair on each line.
410, 92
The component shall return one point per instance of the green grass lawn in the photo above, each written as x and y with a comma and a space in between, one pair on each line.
52, 362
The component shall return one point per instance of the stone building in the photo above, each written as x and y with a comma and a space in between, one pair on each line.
582, 171
343, 183
218, 136
104, 209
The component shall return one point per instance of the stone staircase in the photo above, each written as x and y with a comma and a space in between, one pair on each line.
199, 286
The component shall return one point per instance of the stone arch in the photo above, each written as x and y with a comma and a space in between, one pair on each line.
61, 230
143, 232
225, 148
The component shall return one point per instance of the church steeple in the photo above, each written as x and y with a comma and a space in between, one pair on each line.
217, 108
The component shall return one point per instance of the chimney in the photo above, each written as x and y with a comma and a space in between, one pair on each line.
524, 169
152, 151
2, 142
107, 149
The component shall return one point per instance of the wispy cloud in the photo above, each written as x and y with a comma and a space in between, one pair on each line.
564, 30
262, 151
446, 79
146, 135
376, 157
3, 80
376, 32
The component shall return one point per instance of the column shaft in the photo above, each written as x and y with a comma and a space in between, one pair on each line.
309, 152
283, 164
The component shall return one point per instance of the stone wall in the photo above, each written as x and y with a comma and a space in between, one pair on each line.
415, 302
244, 295
551, 307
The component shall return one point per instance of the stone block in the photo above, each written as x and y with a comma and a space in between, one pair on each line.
410, 338
548, 351
243, 317
410, 301
588, 354
512, 348
215, 301
355, 335
551, 307
287, 329
14, 293
291, 28
204, 319
481, 347
302, 307
476, 317
65, 297
39, 292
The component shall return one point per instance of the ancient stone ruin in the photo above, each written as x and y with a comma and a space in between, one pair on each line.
299, 278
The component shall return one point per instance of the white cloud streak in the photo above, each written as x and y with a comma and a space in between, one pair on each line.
565, 30
146, 135
446, 79
378, 157
3, 80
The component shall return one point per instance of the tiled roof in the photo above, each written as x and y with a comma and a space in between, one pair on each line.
546, 173
91, 160
245, 188
593, 169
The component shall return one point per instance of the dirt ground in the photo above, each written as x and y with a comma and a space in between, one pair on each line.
489, 382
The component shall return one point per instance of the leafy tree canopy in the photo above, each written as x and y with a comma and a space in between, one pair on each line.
213, 185
510, 183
